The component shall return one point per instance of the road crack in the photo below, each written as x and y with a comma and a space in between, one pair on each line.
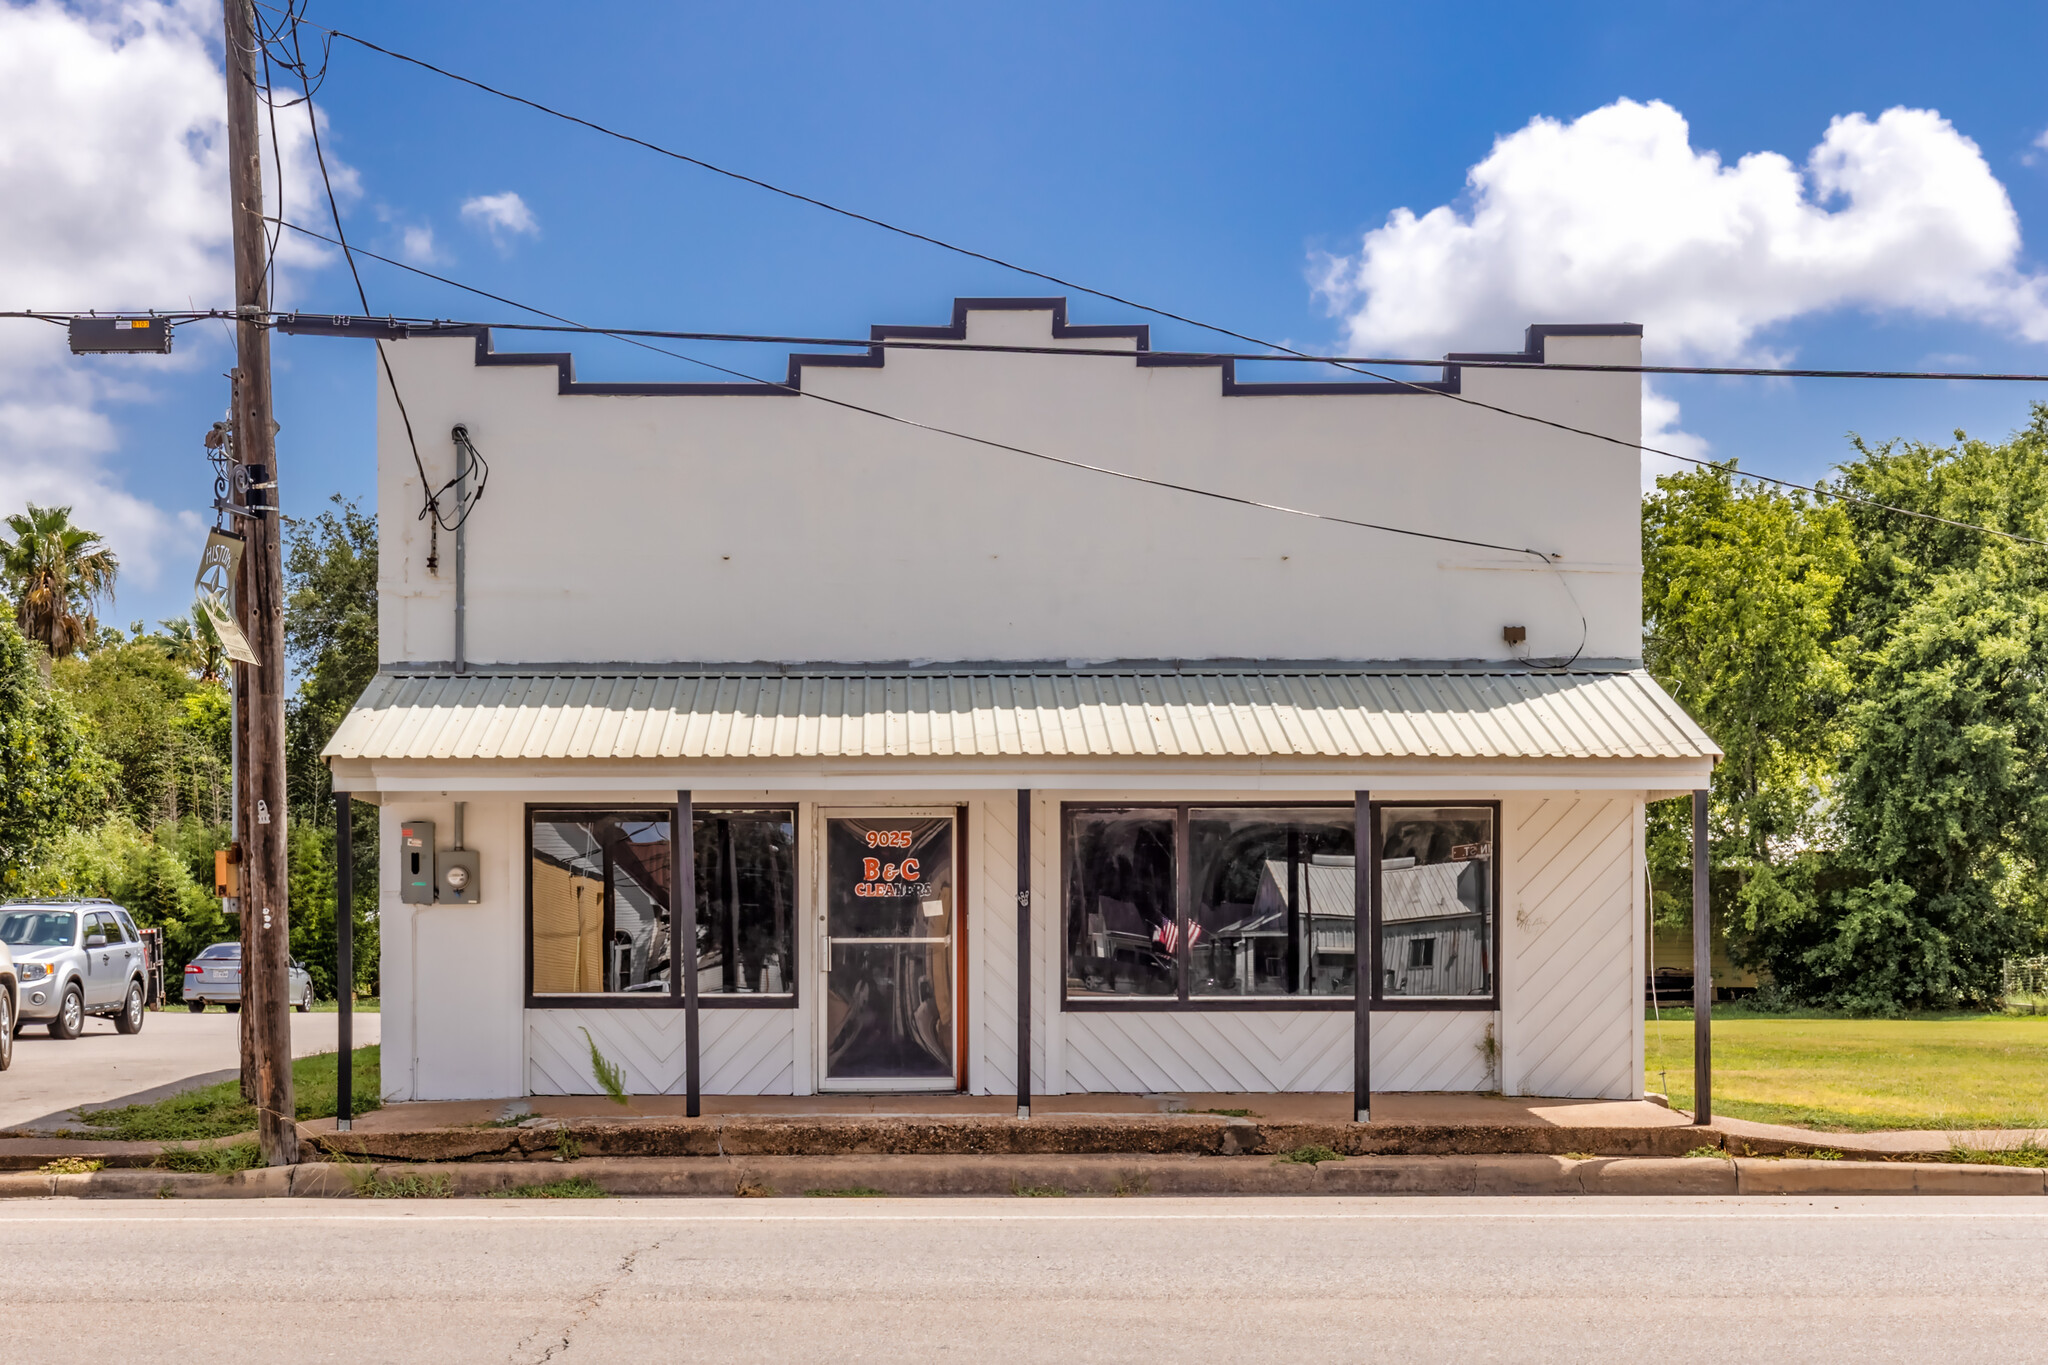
522, 1354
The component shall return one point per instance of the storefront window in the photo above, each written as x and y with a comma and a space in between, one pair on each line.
1274, 900
1267, 910
1436, 911
599, 886
746, 901
1123, 932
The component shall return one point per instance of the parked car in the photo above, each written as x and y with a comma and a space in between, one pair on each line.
10, 1007
215, 978
75, 958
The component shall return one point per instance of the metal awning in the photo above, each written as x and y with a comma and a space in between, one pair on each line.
1310, 714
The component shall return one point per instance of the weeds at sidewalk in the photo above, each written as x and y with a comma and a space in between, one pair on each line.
567, 1148
2027, 1153
235, 1156
404, 1187
1229, 1113
72, 1165
217, 1111
850, 1192
749, 1188
1312, 1154
1038, 1192
1127, 1186
1711, 1154
575, 1187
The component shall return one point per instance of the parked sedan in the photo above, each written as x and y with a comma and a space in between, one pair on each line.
215, 978
75, 958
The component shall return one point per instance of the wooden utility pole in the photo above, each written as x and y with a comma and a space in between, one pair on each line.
265, 943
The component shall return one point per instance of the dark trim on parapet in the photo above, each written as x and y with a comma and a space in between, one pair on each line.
1139, 334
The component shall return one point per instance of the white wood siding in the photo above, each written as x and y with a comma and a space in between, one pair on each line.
992, 948
1571, 1011
1279, 1050
746, 1052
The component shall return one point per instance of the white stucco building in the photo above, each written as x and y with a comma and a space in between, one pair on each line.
876, 664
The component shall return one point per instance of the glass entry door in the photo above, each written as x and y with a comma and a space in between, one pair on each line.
890, 898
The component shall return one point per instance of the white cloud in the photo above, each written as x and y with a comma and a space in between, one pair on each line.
1662, 432
113, 195
503, 216
416, 244
1617, 217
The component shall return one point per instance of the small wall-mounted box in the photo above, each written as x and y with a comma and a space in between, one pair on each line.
227, 871
416, 878
455, 881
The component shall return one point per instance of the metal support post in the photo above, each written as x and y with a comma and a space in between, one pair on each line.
1702, 969
1023, 954
344, 961
682, 918
1362, 955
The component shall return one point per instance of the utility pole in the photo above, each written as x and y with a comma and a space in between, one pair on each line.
265, 943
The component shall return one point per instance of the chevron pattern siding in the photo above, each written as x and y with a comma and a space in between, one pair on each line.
1571, 1002
1273, 1051
746, 1052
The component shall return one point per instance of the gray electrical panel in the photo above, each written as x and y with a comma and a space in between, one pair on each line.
455, 876
416, 877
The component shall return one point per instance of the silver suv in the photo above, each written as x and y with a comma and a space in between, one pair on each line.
74, 958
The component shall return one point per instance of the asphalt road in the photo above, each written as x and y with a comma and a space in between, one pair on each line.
175, 1051
1910, 1279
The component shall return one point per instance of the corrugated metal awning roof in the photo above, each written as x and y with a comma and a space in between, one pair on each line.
1392, 713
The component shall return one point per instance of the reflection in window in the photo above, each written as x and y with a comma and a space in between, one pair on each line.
600, 893
746, 901
1436, 901
1274, 902
1122, 932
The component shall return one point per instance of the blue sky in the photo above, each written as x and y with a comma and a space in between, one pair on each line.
1207, 158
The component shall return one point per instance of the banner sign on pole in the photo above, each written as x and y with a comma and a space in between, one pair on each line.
214, 588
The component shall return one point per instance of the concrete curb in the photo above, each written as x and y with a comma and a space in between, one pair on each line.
1055, 1175
1153, 1135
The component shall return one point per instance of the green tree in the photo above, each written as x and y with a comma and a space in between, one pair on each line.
194, 645
331, 637
1944, 796
50, 776
156, 725
1741, 585
56, 573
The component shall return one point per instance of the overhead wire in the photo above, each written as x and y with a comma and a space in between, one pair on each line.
1109, 296
1194, 490
430, 511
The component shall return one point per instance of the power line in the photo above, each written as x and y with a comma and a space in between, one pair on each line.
1064, 283
633, 338
431, 510
889, 343
1541, 556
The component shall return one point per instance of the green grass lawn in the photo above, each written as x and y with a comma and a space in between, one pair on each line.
363, 1006
219, 1111
1857, 1075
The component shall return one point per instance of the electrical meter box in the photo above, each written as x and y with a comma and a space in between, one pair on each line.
455, 876
416, 879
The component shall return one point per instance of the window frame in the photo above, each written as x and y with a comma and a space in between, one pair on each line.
673, 998
1184, 1001
1382, 1002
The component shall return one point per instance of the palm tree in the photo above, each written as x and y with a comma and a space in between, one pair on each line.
193, 644
57, 573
